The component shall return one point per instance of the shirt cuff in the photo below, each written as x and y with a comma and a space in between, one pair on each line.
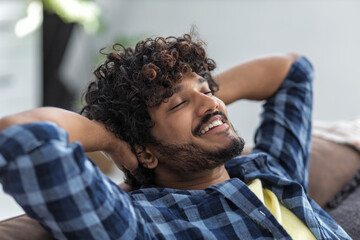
301, 70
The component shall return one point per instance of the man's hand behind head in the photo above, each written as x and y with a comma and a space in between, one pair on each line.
122, 156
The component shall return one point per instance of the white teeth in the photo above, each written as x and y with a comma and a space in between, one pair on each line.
211, 125
216, 123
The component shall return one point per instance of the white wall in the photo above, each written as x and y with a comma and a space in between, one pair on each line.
327, 32
20, 76
20, 62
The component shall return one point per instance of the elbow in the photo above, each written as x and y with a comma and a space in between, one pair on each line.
39, 114
6, 122
292, 56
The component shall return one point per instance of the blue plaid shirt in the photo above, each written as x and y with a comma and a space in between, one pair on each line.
58, 186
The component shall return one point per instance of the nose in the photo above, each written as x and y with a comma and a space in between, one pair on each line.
206, 104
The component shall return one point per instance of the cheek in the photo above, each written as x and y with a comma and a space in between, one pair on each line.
179, 129
176, 130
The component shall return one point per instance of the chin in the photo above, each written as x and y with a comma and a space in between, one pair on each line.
194, 158
232, 149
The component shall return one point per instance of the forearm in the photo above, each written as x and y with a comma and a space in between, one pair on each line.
51, 180
256, 79
91, 134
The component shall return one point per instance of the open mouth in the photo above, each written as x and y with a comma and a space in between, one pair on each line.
211, 126
210, 122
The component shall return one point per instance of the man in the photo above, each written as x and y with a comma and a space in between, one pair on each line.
156, 111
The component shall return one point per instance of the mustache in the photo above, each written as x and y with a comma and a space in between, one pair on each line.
206, 118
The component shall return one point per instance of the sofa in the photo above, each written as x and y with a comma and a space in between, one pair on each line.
334, 178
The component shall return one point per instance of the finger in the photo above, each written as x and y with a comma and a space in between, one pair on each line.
131, 163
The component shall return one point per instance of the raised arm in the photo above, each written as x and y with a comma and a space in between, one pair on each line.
92, 134
56, 184
284, 132
256, 79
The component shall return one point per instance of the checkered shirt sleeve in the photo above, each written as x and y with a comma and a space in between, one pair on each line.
285, 128
57, 185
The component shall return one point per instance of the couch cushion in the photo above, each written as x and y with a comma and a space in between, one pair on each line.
347, 214
332, 166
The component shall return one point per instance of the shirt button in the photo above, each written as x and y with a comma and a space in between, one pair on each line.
262, 213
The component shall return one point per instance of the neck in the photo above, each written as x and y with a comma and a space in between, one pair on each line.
190, 181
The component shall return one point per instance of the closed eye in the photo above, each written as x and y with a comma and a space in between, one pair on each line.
209, 93
176, 106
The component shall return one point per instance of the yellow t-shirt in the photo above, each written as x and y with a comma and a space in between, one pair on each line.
291, 223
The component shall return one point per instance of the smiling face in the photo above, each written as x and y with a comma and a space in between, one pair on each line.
192, 129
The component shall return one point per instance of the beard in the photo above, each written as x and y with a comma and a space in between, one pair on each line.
189, 158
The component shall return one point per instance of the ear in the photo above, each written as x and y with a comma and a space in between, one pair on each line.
147, 158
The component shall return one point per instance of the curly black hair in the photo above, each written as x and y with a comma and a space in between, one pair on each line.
131, 80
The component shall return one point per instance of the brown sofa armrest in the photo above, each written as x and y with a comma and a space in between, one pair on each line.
22, 228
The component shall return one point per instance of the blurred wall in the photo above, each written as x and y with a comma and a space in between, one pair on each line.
20, 76
20, 62
327, 32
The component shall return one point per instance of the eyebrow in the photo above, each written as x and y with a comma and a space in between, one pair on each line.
180, 88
